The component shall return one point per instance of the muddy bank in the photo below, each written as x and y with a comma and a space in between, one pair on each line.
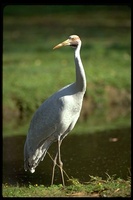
111, 99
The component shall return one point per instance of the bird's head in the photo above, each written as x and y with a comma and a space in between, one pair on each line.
73, 41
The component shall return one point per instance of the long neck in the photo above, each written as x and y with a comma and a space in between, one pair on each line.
80, 73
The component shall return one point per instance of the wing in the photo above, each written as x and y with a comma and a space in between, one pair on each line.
50, 117
44, 121
57, 115
43, 131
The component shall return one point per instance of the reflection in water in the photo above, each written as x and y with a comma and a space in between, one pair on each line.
82, 155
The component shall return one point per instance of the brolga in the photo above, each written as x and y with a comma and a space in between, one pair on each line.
56, 117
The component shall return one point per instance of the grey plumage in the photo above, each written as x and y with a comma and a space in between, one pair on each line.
57, 116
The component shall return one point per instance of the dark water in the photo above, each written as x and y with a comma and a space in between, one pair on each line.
82, 155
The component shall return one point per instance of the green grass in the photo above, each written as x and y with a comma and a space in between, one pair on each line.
96, 187
32, 70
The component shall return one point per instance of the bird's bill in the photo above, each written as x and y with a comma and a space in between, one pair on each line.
65, 43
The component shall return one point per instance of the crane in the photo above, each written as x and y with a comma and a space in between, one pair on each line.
56, 117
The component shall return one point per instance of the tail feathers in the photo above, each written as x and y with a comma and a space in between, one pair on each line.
32, 162
33, 156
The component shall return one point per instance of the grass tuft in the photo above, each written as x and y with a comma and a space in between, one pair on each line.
96, 187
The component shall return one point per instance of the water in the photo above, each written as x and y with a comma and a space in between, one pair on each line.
82, 155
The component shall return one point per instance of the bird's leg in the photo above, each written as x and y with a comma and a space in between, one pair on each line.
54, 167
60, 162
55, 162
